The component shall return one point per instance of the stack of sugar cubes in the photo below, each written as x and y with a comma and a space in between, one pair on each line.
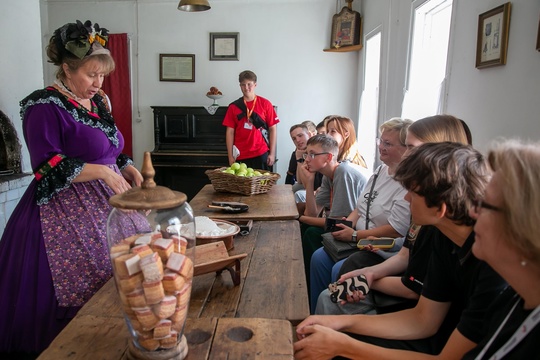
154, 277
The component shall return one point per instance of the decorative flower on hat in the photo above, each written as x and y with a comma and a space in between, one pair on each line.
81, 39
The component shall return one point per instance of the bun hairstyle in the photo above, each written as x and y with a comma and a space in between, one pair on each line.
74, 43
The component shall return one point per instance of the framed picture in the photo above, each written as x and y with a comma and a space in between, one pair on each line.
492, 40
177, 67
346, 28
224, 46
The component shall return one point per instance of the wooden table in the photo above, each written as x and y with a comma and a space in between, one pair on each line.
276, 204
106, 338
272, 287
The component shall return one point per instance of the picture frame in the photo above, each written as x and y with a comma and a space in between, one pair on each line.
346, 28
492, 37
177, 67
224, 46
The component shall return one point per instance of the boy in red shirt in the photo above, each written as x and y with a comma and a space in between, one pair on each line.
251, 126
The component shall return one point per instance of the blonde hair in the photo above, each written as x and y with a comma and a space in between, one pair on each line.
397, 124
348, 149
310, 126
518, 168
439, 128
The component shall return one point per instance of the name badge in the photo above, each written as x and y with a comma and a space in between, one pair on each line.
248, 125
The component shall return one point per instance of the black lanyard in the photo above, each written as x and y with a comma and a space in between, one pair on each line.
370, 197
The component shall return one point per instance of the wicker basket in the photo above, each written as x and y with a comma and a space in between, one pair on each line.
224, 182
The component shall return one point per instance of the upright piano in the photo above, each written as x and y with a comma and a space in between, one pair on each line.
188, 141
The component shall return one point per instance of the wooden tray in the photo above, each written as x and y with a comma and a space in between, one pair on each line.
215, 257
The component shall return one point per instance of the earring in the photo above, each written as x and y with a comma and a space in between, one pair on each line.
523, 263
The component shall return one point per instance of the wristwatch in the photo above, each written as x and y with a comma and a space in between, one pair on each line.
301, 160
354, 236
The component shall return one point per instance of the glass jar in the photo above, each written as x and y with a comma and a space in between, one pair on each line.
151, 235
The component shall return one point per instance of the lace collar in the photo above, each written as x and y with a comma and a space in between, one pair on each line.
98, 118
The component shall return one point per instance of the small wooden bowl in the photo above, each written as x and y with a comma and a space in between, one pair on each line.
228, 238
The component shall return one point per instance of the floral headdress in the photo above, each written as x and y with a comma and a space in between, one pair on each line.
82, 39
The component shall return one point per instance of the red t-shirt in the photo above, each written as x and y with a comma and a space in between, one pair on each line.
247, 138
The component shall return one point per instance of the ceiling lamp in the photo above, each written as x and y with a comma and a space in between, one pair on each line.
193, 5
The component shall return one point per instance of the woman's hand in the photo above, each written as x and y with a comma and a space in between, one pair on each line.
345, 234
132, 174
116, 182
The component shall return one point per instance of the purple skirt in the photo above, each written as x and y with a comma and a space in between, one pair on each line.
53, 259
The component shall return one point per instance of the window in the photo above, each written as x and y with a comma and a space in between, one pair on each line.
428, 52
369, 103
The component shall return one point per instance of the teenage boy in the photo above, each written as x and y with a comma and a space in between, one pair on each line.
442, 180
251, 127
341, 186
300, 136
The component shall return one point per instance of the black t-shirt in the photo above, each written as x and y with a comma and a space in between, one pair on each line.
291, 172
419, 245
455, 275
527, 348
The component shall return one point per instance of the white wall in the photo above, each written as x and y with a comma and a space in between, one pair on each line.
501, 101
21, 70
282, 41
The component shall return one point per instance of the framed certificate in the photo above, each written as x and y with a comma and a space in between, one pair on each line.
224, 46
177, 67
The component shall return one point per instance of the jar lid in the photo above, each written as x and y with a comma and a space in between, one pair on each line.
149, 195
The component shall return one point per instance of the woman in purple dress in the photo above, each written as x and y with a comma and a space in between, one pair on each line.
54, 253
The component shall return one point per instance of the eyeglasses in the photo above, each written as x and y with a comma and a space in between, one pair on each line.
481, 204
312, 156
385, 144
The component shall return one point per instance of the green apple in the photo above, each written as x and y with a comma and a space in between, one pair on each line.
229, 171
243, 166
257, 173
235, 166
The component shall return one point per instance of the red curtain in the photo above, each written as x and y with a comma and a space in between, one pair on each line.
118, 88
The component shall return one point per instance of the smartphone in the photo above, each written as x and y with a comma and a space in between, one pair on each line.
379, 243
331, 224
